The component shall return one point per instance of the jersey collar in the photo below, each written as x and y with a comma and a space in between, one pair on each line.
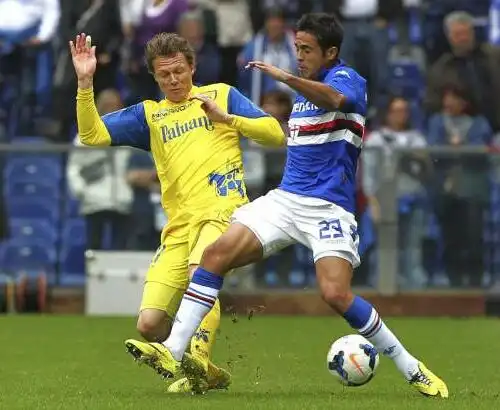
324, 71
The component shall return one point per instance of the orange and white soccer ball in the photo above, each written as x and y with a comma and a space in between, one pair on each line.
353, 360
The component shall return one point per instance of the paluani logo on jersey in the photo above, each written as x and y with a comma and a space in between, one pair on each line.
225, 183
179, 129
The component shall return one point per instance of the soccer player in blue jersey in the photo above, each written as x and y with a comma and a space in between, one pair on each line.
314, 205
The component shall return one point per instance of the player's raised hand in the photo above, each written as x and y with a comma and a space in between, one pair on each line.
84, 59
277, 73
213, 111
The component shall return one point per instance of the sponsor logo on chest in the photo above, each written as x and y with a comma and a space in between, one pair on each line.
178, 128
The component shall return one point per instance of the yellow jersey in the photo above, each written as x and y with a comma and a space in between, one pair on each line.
199, 163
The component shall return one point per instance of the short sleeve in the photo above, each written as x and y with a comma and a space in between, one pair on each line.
345, 83
128, 127
240, 105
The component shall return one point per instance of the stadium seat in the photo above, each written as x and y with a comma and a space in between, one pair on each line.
31, 189
415, 26
72, 266
72, 207
35, 208
74, 232
21, 139
417, 116
23, 167
406, 79
33, 231
410, 33
17, 256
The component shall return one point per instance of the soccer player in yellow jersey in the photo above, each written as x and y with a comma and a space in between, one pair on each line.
193, 135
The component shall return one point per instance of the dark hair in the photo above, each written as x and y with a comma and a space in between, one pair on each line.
462, 93
167, 45
392, 99
325, 27
279, 97
274, 12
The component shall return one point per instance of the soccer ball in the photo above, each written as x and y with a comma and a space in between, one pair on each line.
352, 360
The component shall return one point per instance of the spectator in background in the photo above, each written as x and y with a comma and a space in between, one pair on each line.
141, 176
141, 21
97, 177
398, 133
234, 30
273, 45
366, 41
292, 10
100, 19
279, 105
462, 190
473, 66
208, 64
26, 31
435, 11
27, 23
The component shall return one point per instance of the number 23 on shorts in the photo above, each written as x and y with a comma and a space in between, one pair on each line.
332, 229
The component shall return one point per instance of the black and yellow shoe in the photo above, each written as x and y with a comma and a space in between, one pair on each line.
428, 384
217, 379
196, 371
156, 356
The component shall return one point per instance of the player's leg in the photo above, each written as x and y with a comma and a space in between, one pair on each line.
154, 323
258, 230
202, 294
201, 347
207, 232
201, 236
165, 283
335, 255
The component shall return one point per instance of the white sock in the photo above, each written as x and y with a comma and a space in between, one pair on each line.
388, 344
196, 303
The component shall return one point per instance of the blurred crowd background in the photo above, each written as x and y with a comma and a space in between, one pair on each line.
433, 69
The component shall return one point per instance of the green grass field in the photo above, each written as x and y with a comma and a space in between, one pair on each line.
278, 363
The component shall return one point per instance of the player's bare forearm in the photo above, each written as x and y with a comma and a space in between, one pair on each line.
265, 130
318, 93
91, 129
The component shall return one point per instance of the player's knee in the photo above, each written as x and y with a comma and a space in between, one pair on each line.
337, 295
153, 327
217, 257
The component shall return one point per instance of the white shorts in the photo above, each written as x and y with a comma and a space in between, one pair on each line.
281, 218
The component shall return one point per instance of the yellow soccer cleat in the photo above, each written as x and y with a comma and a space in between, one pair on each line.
156, 356
180, 386
196, 372
428, 383
217, 379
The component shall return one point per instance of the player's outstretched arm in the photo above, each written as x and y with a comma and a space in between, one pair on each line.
126, 127
91, 129
320, 94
